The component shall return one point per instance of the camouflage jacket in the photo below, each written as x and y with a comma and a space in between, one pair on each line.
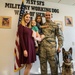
53, 31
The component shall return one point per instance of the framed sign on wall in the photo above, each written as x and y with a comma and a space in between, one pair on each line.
68, 21
5, 22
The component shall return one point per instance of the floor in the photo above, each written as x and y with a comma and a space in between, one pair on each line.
48, 74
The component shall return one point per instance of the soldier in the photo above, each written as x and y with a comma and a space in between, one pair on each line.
48, 45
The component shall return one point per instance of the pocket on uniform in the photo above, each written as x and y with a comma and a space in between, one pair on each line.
52, 58
52, 52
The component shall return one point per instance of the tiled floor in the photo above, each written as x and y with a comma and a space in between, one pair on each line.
48, 74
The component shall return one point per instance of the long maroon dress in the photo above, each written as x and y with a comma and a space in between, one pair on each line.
26, 43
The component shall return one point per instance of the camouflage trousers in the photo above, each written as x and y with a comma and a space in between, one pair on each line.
47, 54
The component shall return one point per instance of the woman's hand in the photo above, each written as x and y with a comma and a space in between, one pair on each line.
25, 53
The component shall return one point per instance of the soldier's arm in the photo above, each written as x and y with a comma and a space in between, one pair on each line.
45, 26
60, 37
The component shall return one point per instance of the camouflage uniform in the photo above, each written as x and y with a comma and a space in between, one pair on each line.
48, 48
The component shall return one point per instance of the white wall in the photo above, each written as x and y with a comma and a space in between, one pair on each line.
7, 36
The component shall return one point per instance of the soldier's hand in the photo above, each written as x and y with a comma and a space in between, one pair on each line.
58, 50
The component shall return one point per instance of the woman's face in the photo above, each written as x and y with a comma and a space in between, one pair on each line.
38, 19
27, 18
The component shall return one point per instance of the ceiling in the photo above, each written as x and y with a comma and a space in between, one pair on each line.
67, 2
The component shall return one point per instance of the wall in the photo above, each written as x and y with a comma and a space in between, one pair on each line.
7, 36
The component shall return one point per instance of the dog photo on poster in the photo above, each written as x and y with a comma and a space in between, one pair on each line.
5, 22
68, 21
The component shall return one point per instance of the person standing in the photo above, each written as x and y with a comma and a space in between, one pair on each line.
27, 45
39, 24
48, 45
36, 35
